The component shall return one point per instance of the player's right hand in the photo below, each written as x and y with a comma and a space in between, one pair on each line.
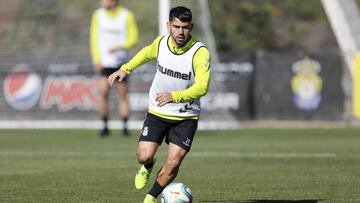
119, 74
98, 68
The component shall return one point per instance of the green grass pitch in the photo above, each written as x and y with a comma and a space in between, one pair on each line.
248, 165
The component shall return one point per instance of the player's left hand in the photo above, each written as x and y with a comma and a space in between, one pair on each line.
163, 98
114, 49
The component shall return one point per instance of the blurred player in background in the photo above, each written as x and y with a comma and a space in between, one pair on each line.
182, 77
113, 31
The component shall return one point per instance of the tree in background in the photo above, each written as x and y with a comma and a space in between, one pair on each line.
252, 25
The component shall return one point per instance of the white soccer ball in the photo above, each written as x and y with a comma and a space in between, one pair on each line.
176, 193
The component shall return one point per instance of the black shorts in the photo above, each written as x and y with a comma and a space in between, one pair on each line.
108, 71
180, 133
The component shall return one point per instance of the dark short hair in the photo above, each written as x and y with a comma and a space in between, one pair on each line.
180, 12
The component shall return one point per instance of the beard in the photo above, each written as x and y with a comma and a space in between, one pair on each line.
180, 40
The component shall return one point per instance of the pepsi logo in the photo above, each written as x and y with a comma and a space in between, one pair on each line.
22, 88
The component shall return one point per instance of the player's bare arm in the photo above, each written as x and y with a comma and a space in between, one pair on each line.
119, 74
163, 98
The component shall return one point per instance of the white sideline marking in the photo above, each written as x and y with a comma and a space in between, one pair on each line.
82, 124
191, 154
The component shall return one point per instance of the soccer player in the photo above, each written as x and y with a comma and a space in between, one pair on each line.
182, 77
113, 31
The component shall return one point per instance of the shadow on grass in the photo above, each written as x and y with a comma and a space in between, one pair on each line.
263, 201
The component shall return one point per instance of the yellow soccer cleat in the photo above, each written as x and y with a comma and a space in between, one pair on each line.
149, 199
142, 176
